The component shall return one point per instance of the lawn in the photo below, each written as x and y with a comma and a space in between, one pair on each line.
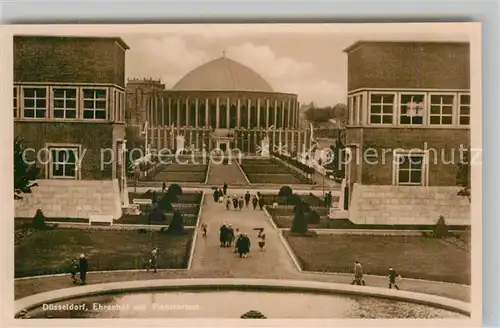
177, 172
412, 256
185, 198
51, 251
189, 220
271, 171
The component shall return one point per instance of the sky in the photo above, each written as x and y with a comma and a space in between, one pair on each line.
305, 59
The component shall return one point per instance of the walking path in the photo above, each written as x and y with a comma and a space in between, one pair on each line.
217, 261
212, 261
218, 174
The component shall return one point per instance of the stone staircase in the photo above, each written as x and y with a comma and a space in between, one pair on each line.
71, 199
230, 173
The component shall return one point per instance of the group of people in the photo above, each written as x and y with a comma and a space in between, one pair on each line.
241, 241
235, 202
358, 276
80, 266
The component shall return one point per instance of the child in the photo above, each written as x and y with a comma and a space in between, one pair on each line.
392, 278
74, 270
153, 259
262, 239
204, 229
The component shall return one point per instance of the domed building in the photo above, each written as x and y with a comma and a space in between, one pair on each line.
220, 104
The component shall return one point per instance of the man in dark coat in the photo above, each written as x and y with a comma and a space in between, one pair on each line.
224, 189
235, 202
229, 236
223, 235
254, 202
261, 203
243, 245
216, 195
83, 265
247, 198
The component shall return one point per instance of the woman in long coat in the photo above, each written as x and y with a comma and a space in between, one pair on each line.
243, 245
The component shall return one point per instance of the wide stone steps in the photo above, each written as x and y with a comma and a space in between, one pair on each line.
230, 173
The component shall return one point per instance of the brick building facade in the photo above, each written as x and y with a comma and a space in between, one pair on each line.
409, 116
69, 107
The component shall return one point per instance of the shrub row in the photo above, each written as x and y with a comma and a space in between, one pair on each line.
294, 162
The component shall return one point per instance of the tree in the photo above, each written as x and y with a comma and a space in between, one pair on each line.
176, 227
24, 173
299, 223
38, 221
174, 190
337, 162
463, 175
323, 114
285, 191
441, 229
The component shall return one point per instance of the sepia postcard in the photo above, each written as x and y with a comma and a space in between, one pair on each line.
165, 174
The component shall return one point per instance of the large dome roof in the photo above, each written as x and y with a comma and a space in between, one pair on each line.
223, 74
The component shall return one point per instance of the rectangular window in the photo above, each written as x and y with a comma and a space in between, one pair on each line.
441, 109
464, 109
381, 108
349, 110
412, 109
64, 100
15, 103
355, 110
94, 104
63, 162
410, 169
35, 102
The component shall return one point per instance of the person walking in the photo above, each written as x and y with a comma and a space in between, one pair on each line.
262, 239
237, 236
241, 203
222, 235
73, 269
224, 189
204, 229
83, 265
392, 278
235, 202
230, 236
254, 202
243, 245
221, 195
153, 260
261, 203
228, 203
247, 198
358, 274
216, 195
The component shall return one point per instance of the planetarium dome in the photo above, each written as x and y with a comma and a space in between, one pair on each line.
223, 74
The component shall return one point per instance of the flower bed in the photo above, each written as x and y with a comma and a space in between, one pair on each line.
277, 179
311, 200
292, 161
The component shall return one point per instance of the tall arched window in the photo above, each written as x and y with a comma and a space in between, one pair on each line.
213, 115
175, 118
253, 117
182, 113
285, 114
263, 117
244, 116
271, 117
201, 114
222, 116
279, 118
192, 114
233, 116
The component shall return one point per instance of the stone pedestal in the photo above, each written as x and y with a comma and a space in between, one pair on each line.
265, 148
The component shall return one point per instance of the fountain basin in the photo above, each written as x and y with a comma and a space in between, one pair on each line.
229, 298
